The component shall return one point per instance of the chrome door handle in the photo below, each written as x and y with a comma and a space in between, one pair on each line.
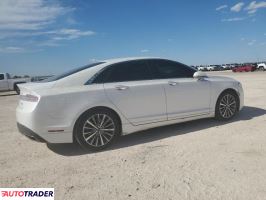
172, 83
121, 87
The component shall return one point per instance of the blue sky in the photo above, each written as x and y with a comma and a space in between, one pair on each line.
50, 36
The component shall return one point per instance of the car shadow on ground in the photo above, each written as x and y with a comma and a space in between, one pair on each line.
154, 134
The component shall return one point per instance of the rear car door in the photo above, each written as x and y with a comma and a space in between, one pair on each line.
186, 96
129, 86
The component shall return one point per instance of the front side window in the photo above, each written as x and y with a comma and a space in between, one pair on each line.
165, 69
125, 71
2, 77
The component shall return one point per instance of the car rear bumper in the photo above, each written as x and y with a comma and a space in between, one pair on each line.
30, 134
39, 127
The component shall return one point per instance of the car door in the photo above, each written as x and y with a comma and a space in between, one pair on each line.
3, 83
129, 86
186, 96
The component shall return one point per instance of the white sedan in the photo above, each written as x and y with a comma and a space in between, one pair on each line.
95, 104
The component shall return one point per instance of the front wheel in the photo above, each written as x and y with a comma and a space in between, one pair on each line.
97, 129
227, 105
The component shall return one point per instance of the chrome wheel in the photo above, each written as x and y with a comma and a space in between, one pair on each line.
98, 130
228, 106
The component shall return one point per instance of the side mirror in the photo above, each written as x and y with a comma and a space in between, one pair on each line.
199, 75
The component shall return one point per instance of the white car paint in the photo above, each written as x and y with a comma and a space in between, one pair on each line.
262, 66
141, 105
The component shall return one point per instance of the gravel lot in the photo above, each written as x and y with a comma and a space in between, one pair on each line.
203, 159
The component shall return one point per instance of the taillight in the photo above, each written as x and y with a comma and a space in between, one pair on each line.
29, 97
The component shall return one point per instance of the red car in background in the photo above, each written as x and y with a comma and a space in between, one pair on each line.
244, 68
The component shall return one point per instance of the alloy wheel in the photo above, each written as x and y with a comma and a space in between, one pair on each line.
227, 106
98, 130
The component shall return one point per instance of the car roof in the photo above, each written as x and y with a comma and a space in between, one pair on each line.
117, 60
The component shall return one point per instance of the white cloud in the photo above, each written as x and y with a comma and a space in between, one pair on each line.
233, 19
237, 7
252, 42
69, 34
254, 6
221, 7
144, 51
29, 14
93, 60
11, 49
48, 43
33, 23
71, 21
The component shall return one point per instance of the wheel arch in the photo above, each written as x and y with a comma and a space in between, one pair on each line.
16, 88
97, 108
229, 90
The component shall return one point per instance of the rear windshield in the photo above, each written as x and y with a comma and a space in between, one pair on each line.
68, 73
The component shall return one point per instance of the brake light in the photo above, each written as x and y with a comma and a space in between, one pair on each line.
29, 97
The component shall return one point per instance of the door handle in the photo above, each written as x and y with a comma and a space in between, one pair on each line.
172, 83
121, 87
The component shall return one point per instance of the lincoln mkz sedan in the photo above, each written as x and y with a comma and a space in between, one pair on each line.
95, 104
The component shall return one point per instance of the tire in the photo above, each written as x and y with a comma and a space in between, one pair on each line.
261, 68
89, 132
16, 88
227, 105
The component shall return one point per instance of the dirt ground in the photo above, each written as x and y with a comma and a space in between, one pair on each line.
203, 159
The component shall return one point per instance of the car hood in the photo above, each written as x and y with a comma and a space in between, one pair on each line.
221, 78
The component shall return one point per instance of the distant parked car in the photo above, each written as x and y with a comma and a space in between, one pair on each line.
244, 68
261, 66
210, 68
202, 68
8, 83
232, 66
218, 68
226, 67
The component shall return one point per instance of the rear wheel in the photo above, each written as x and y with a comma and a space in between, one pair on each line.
97, 129
227, 105
261, 68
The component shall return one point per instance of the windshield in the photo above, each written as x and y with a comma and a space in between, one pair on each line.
73, 71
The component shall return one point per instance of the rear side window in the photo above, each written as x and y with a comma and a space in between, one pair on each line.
2, 77
164, 69
125, 71
73, 71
